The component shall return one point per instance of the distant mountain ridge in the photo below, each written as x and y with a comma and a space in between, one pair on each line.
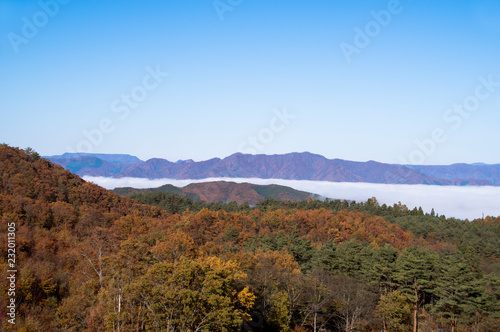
291, 166
112, 158
226, 192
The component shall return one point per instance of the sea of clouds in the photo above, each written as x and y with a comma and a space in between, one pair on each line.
460, 202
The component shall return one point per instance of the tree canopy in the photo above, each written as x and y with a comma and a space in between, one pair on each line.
91, 260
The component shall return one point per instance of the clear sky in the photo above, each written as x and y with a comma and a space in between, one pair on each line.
393, 81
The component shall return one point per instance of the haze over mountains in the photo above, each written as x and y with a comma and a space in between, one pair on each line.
292, 166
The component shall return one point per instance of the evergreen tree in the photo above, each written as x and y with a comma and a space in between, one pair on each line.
384, 265
354, 258
415, 274
458, 289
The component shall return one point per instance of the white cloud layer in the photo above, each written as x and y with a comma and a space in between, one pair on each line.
460, 202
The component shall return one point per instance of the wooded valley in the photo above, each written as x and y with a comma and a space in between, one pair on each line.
87, 259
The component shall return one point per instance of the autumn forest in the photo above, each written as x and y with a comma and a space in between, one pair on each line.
87, 259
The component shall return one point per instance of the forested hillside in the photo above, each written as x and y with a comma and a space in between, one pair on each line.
224, 192
91, 260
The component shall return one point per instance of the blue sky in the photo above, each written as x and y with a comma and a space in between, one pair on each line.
338, 78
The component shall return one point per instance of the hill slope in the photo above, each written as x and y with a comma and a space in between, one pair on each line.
225, 192
87, 259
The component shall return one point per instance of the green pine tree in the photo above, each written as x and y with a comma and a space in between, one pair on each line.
415, 274
459, 290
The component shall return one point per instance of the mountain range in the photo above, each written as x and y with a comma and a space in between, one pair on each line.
291, 166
